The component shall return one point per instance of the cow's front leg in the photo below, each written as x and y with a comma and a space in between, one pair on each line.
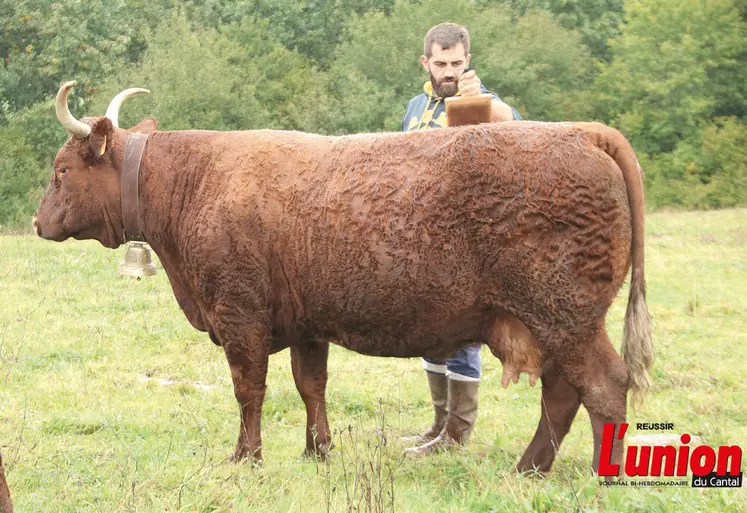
309, 363
247, 351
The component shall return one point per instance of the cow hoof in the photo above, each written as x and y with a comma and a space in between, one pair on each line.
531, 471
320, 452
309, 454
243, 460
244, 453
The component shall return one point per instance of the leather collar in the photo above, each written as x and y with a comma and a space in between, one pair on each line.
133, 154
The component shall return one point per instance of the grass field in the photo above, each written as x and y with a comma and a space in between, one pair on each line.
110, 401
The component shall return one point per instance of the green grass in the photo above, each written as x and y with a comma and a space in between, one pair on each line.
82, 428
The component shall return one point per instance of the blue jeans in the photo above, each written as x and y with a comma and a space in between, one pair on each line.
464, 365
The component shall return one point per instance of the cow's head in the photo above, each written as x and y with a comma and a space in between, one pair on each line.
83, 197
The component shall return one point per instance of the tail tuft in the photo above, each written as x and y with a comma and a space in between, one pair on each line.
637, 346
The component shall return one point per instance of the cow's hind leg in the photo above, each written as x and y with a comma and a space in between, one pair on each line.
560, 402
600, 376
605, 390
309, 363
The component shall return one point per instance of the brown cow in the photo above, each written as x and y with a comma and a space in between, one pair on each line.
395, 244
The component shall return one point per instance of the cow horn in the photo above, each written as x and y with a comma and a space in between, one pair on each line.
112, 111
72, 125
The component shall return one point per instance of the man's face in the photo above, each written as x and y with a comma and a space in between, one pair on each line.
445, 66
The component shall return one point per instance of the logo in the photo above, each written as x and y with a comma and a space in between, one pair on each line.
709, 467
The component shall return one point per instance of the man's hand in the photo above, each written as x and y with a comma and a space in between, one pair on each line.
469, 84
501, 112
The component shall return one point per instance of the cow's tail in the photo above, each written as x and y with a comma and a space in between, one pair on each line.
637, 346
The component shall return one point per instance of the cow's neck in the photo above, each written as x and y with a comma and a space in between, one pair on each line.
168, 189
171, 192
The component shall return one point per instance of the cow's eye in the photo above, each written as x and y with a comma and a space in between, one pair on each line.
62, 170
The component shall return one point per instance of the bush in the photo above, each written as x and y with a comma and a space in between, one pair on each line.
709, 172
22, 178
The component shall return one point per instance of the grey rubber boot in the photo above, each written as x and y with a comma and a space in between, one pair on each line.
462, 406
462, 410
439, 386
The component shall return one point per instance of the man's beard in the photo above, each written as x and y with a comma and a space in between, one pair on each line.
444, 89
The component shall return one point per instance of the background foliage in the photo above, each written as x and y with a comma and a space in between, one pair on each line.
670, 74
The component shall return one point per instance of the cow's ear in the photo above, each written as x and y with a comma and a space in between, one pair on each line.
99, 141
146, 126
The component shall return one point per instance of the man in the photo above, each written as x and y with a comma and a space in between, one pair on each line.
446, 57
454, 382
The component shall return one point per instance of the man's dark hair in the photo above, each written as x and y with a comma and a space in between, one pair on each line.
447, 35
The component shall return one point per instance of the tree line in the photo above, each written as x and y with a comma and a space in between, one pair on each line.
670, 74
